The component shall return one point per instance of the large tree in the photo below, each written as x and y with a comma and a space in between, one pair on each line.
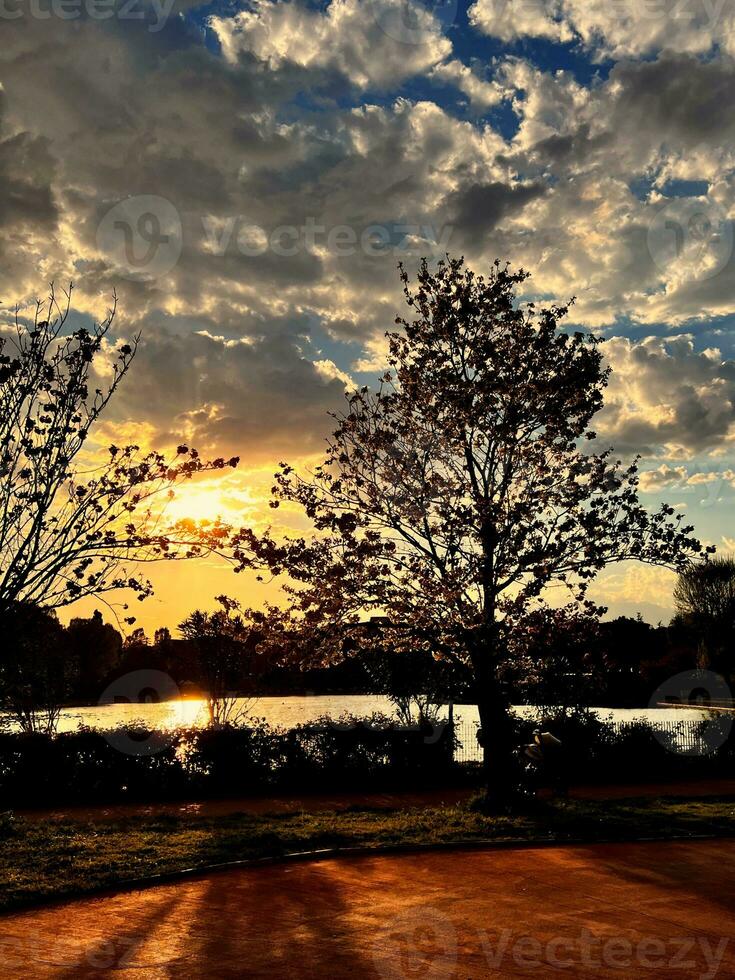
95, 649
75, 519
456, 493
705, 603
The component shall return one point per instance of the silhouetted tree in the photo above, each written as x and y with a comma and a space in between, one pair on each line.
71, 524
162, 636
555, 658
36, 672
417, 684
452, 496
95, 648
225, 641
136, 638
705, 603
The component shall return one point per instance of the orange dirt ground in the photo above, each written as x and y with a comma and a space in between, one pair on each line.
613, 910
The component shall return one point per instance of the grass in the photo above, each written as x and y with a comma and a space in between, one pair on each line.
50, 859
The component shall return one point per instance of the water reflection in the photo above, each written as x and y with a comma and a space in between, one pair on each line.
286, 712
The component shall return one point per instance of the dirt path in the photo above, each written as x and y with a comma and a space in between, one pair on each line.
622, 910
344, 801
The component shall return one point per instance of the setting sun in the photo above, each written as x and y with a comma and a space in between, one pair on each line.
225, 499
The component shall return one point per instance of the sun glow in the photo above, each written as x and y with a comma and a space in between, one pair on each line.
196, 504
211, 501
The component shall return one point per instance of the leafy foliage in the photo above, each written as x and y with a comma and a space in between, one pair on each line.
456, 493
225, 642
35, 667
231, 759
556, 658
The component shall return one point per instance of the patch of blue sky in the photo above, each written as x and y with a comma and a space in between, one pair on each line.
478, 51
324, 346
685, 188
548, 56
706, 332
643, 186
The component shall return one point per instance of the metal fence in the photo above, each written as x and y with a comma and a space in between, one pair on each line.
688, 736
467, 748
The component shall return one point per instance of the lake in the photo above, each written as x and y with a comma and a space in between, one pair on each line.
286, 712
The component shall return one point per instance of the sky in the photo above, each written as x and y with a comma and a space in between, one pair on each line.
247, 175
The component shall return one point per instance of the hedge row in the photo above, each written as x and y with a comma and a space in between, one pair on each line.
347, 753
140, 764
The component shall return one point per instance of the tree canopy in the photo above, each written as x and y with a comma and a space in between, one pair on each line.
457, 492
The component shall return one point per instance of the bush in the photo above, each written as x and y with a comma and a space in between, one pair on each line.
352, 753
116, 765
594, 750
8, 825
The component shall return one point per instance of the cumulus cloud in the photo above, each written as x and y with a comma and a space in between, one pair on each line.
624, 28
349, 118
678, 476
666, 398
663, 476
366, 41
258, 396
480, 92
477, 209
510, 21
28, 209
613, 226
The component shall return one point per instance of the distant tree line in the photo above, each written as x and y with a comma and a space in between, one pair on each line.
560, 660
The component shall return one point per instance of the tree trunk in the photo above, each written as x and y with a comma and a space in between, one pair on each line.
500, 766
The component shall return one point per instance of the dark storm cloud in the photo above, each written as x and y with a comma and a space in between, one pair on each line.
26, 196
564, 152
478, 209
262, 133
676, 97
260, 397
